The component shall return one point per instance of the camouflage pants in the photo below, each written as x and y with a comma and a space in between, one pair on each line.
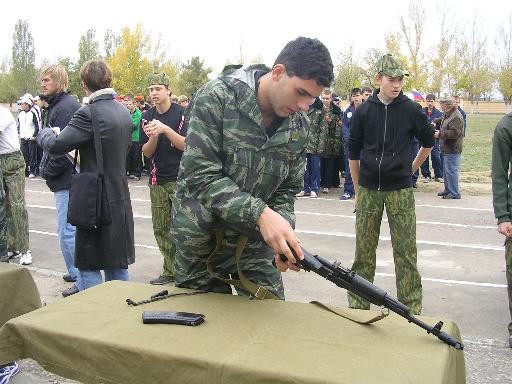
161, 216
508, 261
3, 221
13, 171
255, 263
400, 209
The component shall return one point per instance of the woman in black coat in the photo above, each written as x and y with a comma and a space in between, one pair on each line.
109, 247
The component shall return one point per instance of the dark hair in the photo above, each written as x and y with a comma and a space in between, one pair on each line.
355, 91
308, 59
430, 96
96, 74
366, 89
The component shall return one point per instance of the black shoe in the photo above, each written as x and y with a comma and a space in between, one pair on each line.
67, 278
451, 197
510, 341
5, 258
414, 185
161, 280
70, 291
441, 194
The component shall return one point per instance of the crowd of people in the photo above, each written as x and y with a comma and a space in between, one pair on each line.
225, 168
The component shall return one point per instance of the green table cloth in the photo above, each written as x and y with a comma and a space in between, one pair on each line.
95, 337
18, 292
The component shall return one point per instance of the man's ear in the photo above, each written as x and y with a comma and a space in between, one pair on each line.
378, 78
278, 71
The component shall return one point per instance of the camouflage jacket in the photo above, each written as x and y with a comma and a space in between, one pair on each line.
231, 170
324, 136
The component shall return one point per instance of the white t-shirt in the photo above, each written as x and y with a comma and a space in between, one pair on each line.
9, 141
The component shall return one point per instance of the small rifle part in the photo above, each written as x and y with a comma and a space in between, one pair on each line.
161, 296
349, 280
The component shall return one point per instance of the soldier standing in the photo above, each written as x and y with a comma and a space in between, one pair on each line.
502, 201
380, 158
163, 138
242, 165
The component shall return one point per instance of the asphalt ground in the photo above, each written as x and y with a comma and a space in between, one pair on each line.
460, 257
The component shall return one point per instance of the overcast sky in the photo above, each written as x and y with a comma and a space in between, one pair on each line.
215, 30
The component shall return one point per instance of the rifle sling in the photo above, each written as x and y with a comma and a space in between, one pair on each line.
244, 283
360, 318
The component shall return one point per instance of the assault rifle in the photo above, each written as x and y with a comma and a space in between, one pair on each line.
349, 280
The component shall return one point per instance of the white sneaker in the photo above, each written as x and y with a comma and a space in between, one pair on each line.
26, 258
325, 190
300, 194
31, 176
313, 194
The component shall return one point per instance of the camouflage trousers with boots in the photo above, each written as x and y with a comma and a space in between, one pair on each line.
13, 177
161, 216
400, 209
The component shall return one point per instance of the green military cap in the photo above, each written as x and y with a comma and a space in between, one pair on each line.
158, 78
389, 66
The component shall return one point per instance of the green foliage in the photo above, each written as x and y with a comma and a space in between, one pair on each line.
348, 73
505, 83
23, 71
193, 76
130, 64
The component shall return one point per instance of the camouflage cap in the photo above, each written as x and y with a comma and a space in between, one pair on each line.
158, 78
389, 66
447, 100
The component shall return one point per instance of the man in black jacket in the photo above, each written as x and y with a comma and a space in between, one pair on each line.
381, 164
57, 169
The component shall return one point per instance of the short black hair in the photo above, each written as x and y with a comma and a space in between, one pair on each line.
355, 91
366, 89
308, 59
430, 96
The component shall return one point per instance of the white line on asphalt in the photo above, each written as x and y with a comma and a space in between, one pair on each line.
459, 282
417, 205
387, 238
55, 234
417, 221
350, 235
33, 191
444, 281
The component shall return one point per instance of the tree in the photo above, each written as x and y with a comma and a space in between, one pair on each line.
393, 42
370, 58
412, 33
504, 71
172, 70
110, 43
439, 62
193, 76
130, 64
477, 73
348, 73
23, 69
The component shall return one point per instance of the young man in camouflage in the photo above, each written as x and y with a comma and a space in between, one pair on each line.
163, 138
381, 165
502, 200
243, 164
12, 166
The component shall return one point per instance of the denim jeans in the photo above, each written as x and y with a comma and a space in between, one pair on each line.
91, 278
437, 162
451, 167
312, 173
348, 186
66, 232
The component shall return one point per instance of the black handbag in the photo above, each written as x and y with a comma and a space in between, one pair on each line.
88, 206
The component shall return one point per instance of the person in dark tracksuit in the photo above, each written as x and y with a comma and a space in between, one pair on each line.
381, 165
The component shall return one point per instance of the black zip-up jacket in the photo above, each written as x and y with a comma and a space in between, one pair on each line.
62, 107
381, 138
